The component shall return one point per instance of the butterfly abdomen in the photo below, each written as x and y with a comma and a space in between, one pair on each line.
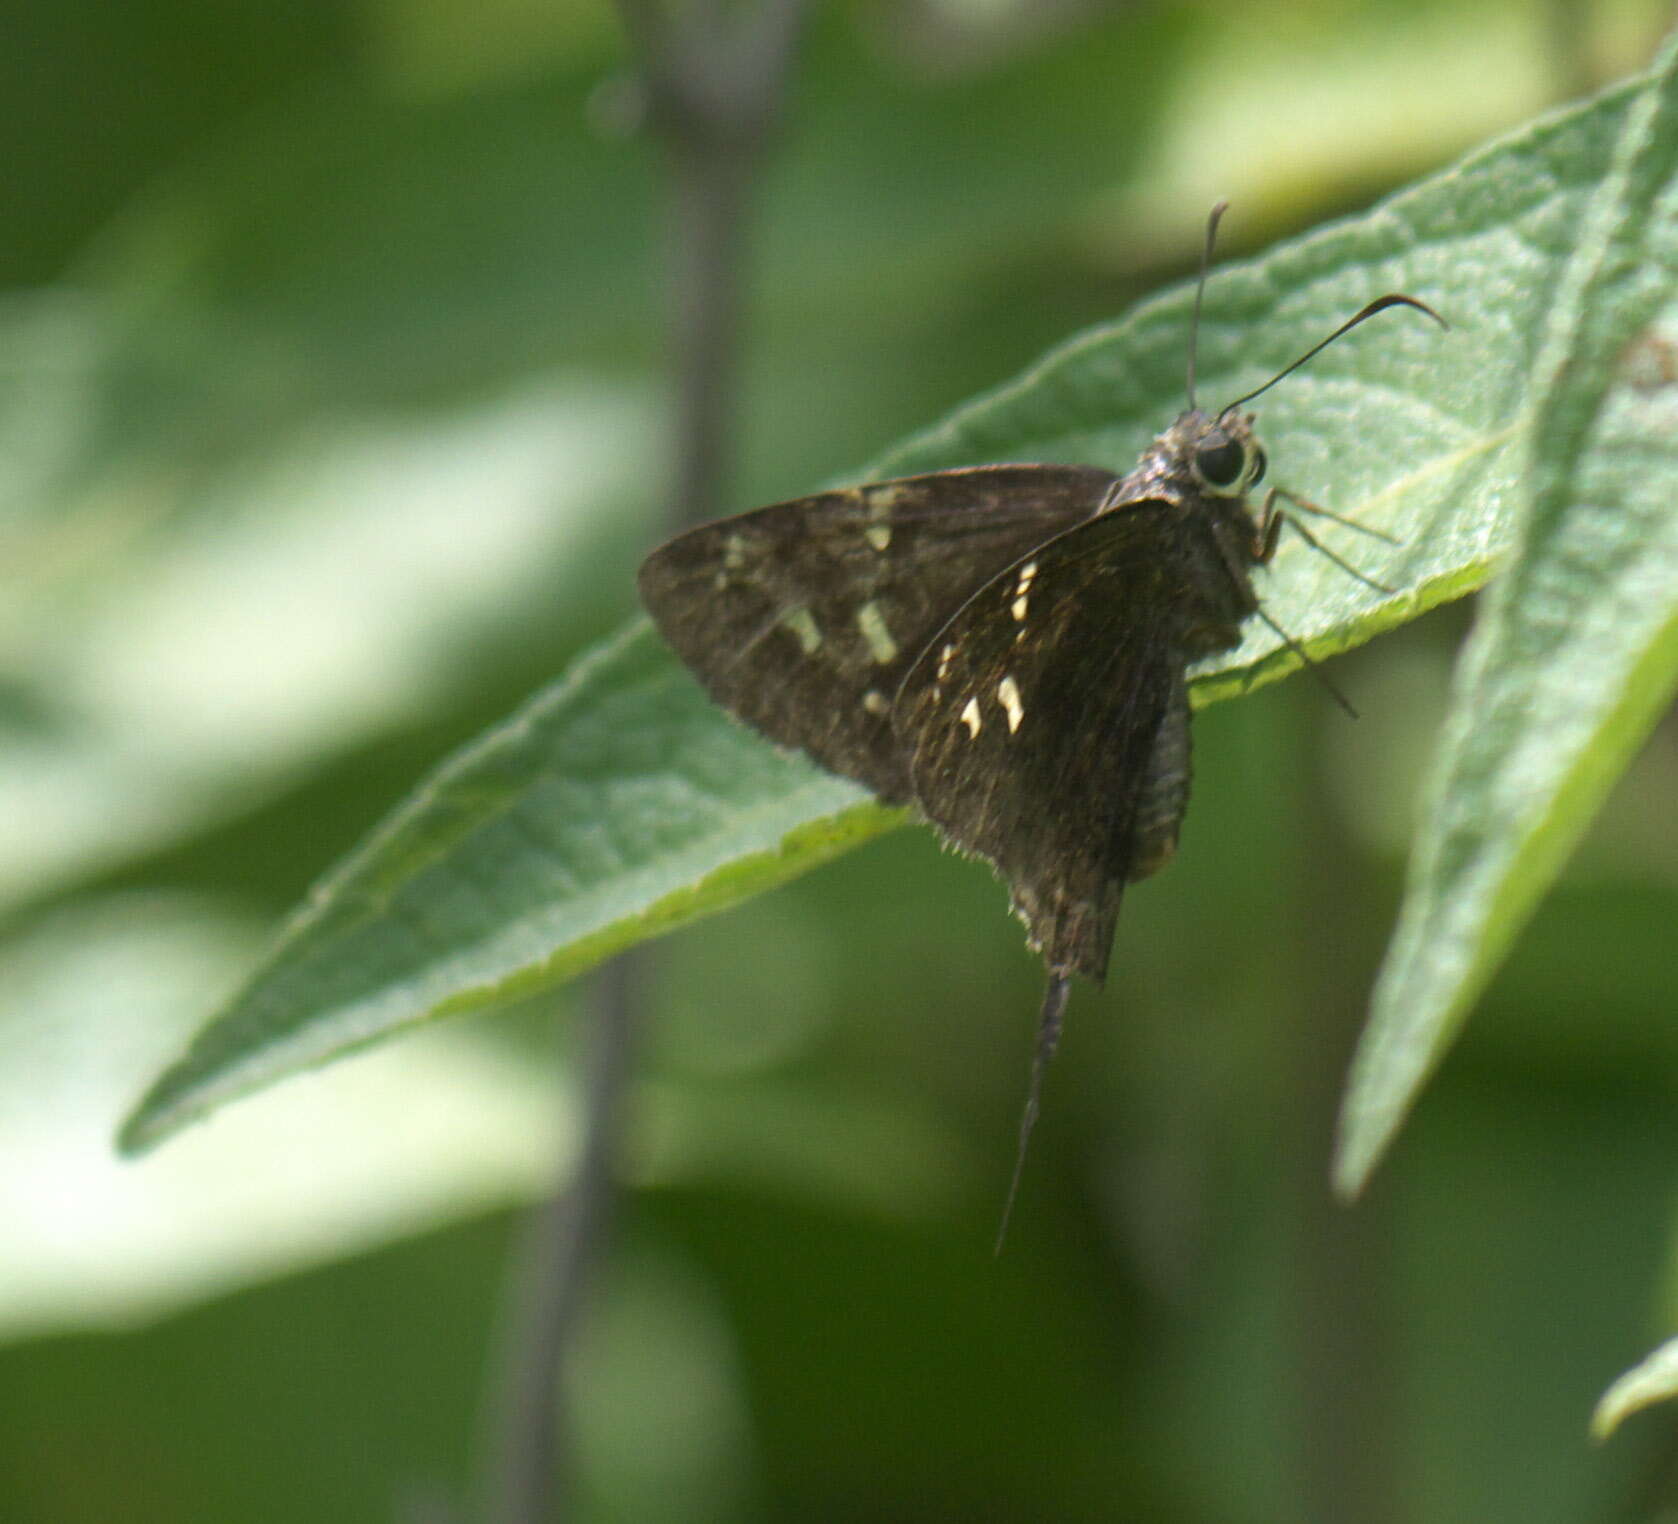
1163, 797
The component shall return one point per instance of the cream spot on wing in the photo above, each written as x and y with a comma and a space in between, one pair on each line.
872, 623
944, 662
734, 552
881, 501
802, 623
1008, 694
1022, 589
970, 717
876, 702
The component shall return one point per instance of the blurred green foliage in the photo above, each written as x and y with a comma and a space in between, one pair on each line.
332, 421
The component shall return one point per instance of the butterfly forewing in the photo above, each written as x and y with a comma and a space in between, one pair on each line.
804, 617
1048, 725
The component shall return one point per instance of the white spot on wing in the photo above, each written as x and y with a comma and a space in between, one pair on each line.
1022, 589
876, 702
872, 623
970, 717
734, 552
944, 662
1008, 694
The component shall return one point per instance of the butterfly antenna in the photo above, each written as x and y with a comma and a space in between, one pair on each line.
1200, 289
1380, 304
1048, 1039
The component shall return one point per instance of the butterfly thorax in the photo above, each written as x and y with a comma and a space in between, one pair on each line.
1168, 463
1203, 466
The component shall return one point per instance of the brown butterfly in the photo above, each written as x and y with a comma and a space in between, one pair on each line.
1004, 648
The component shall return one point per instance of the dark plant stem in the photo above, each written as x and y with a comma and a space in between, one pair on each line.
549, 1275
713, 79
713, 86
708, 232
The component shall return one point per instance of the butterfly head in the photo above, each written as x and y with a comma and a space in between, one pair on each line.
1216, 453
1223, 454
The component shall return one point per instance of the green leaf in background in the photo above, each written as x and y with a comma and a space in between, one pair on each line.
619, 804
1575, 653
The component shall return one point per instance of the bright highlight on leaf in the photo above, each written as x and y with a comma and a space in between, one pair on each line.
1652, 1380
620, 803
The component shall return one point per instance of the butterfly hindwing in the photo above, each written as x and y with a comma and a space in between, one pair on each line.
1048, 724
804, 617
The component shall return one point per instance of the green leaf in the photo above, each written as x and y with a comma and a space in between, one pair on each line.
1653, 1379
1575, 652
613, 808
619, 804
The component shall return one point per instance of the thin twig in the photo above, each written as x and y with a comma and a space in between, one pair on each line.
550, 1273
714, 83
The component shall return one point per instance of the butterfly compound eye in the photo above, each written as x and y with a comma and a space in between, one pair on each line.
1219, 460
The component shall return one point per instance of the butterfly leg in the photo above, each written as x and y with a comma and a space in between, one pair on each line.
1272, 518
1269, 528
1321, 512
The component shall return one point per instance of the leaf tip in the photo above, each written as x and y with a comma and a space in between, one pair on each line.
142, 1129
163, 1109
1654, 1379
1356, 1153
